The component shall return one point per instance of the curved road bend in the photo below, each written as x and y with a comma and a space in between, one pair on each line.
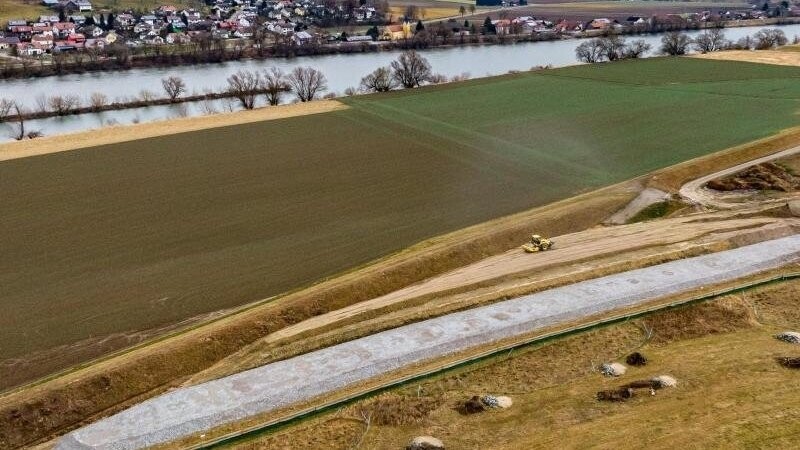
695, 192
197, 408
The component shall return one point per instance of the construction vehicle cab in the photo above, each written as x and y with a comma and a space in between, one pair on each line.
537, 244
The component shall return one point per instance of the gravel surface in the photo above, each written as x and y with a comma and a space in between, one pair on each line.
197, 408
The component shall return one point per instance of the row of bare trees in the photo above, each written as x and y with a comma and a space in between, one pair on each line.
676, 43
409, 70
610, 48
305, 82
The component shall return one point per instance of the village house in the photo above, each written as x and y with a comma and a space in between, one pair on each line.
76, 5
8, 42
396, 32
29, 49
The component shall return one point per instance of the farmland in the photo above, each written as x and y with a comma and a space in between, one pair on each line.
103, 243
586, 11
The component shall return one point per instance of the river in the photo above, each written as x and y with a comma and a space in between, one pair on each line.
341, 70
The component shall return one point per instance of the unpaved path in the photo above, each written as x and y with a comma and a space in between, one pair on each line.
570, 248
647, 197
695, 192
113, 135
194, 409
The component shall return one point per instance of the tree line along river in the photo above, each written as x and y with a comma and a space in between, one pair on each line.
341, 70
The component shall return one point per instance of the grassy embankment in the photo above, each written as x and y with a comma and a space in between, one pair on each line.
731, 392
119, 238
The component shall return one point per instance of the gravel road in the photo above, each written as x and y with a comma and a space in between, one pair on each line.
194, 409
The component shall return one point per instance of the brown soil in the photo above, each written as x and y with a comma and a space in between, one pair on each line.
762, 177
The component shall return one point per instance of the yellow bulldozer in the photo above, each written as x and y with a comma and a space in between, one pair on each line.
537, 244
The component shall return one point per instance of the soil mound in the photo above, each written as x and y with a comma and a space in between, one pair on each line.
767, 176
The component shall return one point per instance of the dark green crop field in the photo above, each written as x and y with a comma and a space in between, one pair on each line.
111, 240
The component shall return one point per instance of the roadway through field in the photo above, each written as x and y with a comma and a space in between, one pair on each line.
194, 409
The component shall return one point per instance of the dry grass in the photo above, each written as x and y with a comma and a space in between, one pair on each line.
20, 9
780, 57
553, 388
113, 135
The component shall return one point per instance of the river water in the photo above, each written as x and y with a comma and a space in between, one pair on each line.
342, 71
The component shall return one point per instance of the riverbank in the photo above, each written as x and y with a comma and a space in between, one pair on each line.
124, 133
242, 49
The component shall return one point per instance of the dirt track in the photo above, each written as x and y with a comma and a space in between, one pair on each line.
571, 248
695, 192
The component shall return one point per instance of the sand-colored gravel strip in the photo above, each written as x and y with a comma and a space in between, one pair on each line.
115, 134
778, 57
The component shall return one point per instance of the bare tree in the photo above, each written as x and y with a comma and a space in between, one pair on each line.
411, 69
41, 103
710, 41
612, 47
18, 131
412, 12
244, 85
766, 39
63, 104
275, 84
380, 80
306, 82
98, 100
146, 95
675, 43
636, 49
590, 51
173, 86
5, 108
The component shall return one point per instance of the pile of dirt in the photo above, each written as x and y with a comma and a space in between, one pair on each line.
636, 359
767, 176
472, 406
791, 337
789, 362
615, 395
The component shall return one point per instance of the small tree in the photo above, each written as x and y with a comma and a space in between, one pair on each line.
98, 100
637, 49
380, 80
306, 82
462, 10
488, 26
275, 85
419, 27
675, 43
411, 69
710, 41
173, 86
612, 47
766, 39
63, 104
244, 86
590, 51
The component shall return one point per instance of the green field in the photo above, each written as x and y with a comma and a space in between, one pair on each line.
112, 240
